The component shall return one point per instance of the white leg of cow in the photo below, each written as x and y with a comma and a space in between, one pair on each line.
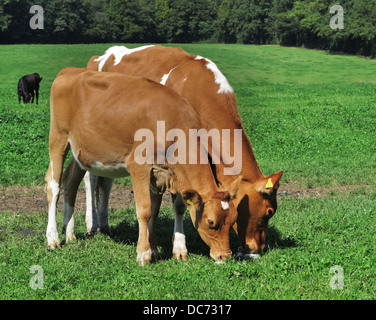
58, 147
91, 213
105, 185
52, 195
179, 249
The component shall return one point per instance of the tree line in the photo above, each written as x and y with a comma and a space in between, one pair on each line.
283, 22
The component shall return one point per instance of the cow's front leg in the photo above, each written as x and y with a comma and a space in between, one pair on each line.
179, 249
143, 216
91, 217
141, 191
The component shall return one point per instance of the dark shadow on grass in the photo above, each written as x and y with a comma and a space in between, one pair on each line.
274, 240
126, 232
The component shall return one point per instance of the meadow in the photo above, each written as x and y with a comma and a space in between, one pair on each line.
309, 113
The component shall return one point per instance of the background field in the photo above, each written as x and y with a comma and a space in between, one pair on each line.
309, 113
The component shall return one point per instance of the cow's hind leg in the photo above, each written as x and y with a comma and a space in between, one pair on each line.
71, 181
58, 150
179, 249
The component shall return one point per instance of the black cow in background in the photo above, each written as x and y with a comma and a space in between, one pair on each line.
26, 86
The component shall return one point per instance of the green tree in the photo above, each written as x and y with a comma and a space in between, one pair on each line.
131, 20
14, 21
361, 20
249, 20
98, 24
162, 13
65, 20
224, 30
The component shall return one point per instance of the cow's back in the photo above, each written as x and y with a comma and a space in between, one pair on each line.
195, 78
151, 63
118, 101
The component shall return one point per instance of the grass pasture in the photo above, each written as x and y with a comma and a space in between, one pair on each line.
309, 113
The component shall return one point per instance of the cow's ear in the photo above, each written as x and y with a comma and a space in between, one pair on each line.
192, 198
234, 187
268, 184
41, 79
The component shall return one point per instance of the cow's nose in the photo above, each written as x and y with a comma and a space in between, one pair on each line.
251, 247
221, 257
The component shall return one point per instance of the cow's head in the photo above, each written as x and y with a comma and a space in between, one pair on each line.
257, 204
26, 97
213, 216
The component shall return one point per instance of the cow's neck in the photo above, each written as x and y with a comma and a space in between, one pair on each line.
198, 177
224, 115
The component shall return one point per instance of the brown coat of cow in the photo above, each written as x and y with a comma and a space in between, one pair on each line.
208, 92
97, 115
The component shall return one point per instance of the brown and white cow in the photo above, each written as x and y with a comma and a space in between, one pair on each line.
98, 116
207, 90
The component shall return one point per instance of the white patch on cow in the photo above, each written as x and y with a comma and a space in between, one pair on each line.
225, 205
91, 214
119, 52
219, 78
99, 169
179, 243
140, 257
116, 171
165, 77
51, 233
248, 255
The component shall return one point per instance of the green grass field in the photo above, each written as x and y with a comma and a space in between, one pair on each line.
309, 113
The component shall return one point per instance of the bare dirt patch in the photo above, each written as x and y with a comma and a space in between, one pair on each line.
33, 199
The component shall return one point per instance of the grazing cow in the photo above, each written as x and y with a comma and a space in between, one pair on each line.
26, 87
207, 90
99, 121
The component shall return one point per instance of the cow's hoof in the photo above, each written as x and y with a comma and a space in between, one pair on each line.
54, 244
105, 230
144, 258
71, 237
155, 255
180, 254
179, 250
